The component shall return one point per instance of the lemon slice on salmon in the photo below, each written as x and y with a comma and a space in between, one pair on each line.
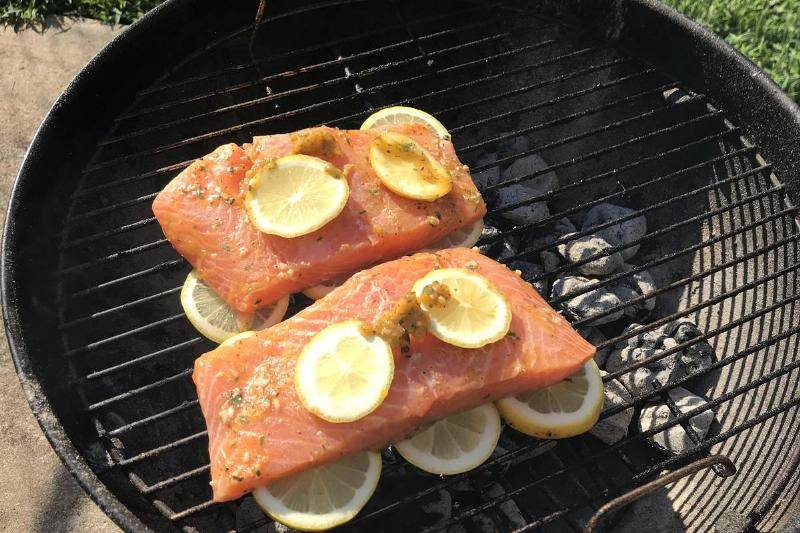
405, 115
322, 497
568, 408
408, 169
456, 444
295, 195
343, 375
213, 318
463, 309
464, 237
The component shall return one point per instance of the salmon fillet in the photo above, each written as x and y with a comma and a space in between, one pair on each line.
259, 431
201, 213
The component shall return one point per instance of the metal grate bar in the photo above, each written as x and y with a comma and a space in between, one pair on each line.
148, 489
161, 449
141, 359
594, 154
124, 307
689, 310
583, 71
572, 116
189, 404
338, 100
90, 191
494, 77
705, 336
626, 167
107, 233
639, 212
112, 257
688, 279
657, 233
166, 265
139, 390
114, 207
287, 74
286, 55
309, 88
121, 336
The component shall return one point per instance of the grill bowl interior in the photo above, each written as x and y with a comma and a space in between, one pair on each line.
110, 380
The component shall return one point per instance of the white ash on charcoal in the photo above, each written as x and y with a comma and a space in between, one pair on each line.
618, 234
530, 187
636, 285
550, 261
489, 232
676, 95
614, 428
648, 345
675, 439
696, 357
586, 246
643, 347
590, 304
596, 338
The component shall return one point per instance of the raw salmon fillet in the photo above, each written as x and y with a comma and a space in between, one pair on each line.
201, 212
259, 431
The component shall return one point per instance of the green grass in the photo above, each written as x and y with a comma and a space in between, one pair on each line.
24, 13
767, 31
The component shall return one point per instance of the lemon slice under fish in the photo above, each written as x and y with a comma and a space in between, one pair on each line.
566, 409
320, 291
405, 115
295, 195
230, 341
213, 318
464, 237
408, 169
475, 313
343, 375
456, 444
322, 497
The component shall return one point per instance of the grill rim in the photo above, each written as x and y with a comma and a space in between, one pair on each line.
11, 259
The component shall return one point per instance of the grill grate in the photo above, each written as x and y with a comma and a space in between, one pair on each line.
723, 245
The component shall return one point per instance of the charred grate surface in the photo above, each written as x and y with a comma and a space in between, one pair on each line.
722, 245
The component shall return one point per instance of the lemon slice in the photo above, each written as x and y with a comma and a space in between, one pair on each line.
343, 375
230, 341
320, 291
213, 318
322, 497
475, 313
456, 444
405, 115
566, 409
295, 195
464, 237
408, 169
266, 317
